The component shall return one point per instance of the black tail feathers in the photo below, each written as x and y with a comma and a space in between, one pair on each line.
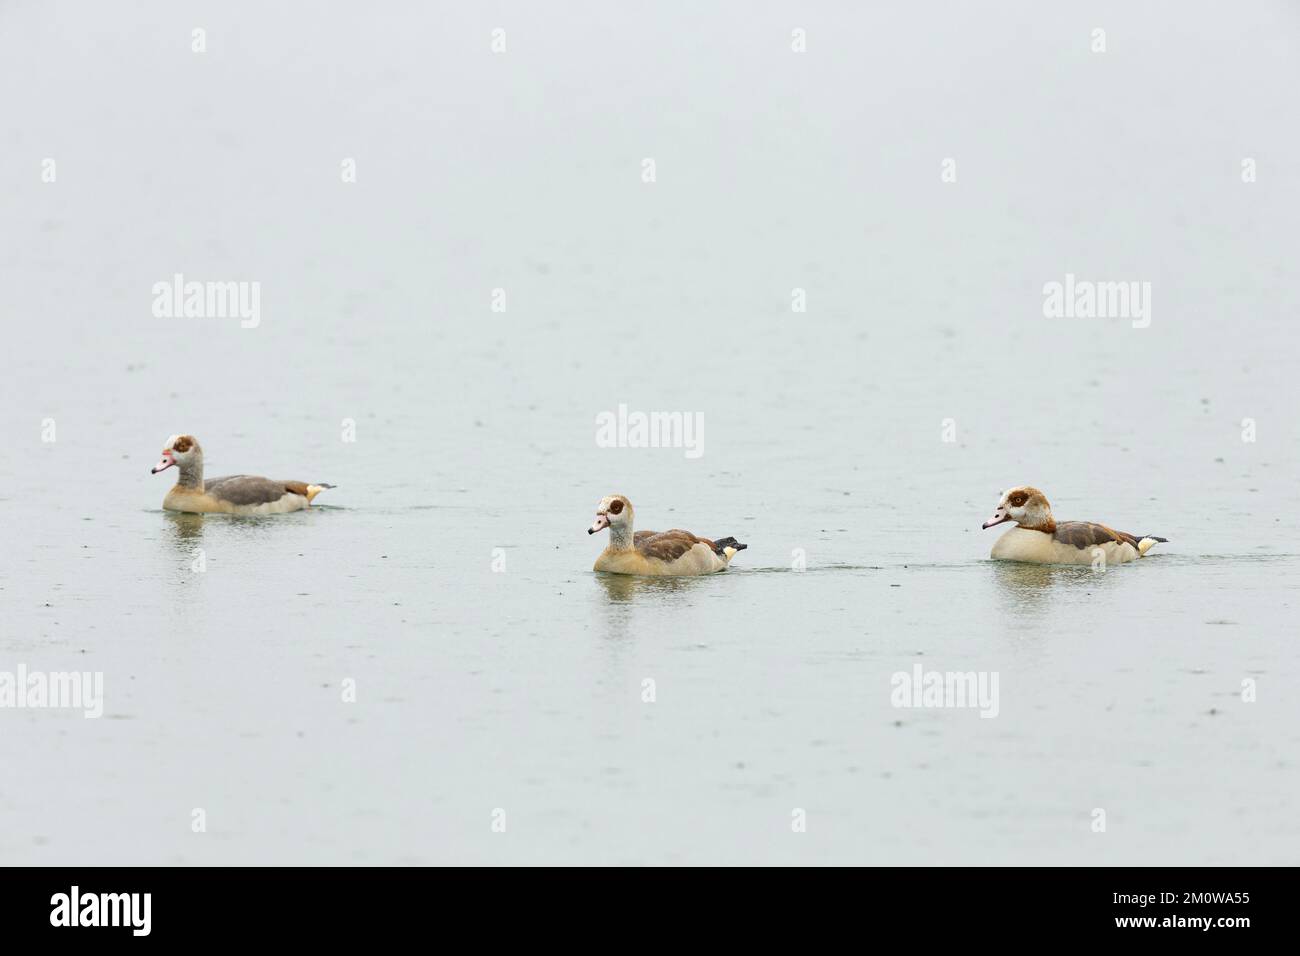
1153, 538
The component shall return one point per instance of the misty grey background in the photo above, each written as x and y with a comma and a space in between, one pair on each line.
475, 430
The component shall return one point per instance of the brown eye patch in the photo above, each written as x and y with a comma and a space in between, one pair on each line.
184, 443
1018, 499
615, 507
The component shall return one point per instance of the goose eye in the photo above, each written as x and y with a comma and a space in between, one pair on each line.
616, 507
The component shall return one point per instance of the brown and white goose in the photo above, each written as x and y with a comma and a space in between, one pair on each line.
655, 552
232, 494
1040, 539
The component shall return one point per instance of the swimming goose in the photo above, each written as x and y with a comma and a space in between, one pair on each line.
233, 494
1040, 539
655, 552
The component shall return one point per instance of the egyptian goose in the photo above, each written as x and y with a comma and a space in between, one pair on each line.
1040, 539
233, 494
655, 552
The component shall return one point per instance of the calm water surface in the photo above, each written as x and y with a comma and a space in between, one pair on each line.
522, 689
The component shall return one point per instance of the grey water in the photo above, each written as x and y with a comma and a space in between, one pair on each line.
423, 668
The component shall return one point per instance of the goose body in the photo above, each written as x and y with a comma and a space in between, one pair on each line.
232, 494
656, 553
1038, 538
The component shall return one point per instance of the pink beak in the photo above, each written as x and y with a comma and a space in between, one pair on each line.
601, 523
166, 462
999, 516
